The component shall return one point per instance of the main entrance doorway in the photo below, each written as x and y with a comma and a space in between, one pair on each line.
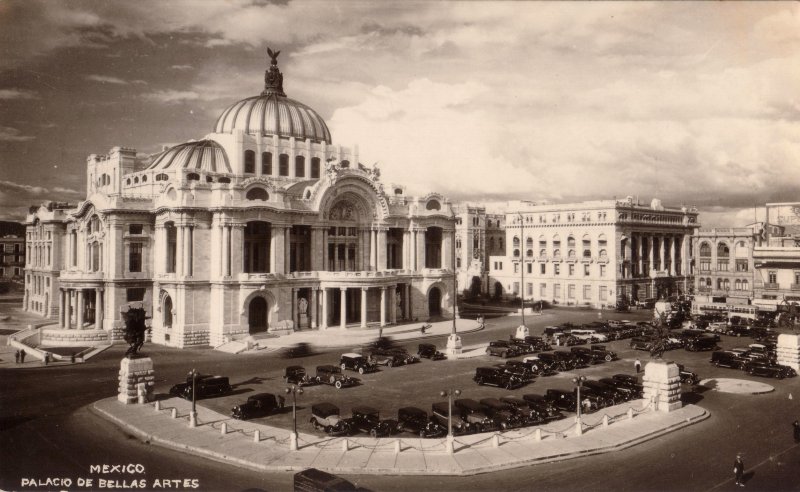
435, 302
257, 315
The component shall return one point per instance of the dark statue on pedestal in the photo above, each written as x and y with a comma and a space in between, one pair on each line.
135, 329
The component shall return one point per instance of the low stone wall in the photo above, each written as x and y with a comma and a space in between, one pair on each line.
788, 351
195, 338
662, 385
73, 338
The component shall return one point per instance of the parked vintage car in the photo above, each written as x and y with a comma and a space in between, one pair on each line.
367, 419
357, 362
326, 416
641, 343
687, 376
297, 375
768, 369
416, 421
561, 399
585, 355
610, 393
530, 414
701, 343
496, 376
543, 406
258, 405
300, 349
518, 368
428, 351
439, 413
475, 414
602, 352
630, 393
502, 348
502, 413
329, 374
404, 357
541, 367
381, 357
556, 360
727, 358
205, 385
570, 359
591, 401
629, 381
762, 351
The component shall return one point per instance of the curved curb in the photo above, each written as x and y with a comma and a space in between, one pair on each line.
362, 470
732, 386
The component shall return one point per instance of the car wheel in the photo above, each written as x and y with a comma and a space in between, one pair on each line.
608, 358
343, 366
328, 429
314, 423
338, 385
488, 352
373, 433
690, 381
361, 370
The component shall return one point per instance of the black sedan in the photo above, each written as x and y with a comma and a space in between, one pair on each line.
259, 405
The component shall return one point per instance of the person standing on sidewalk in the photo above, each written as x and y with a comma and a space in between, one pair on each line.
16, 357
796, 428
638, 366
738, 469
22, 356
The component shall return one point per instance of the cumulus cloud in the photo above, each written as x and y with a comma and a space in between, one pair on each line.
105, 79
181, 67
8, 134
171, 96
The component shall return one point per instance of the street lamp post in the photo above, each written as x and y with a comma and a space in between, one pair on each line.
454, 341
193, 413
578, 380
522, 330
450, 393
294, 390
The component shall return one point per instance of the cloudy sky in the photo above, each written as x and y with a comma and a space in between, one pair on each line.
694, 103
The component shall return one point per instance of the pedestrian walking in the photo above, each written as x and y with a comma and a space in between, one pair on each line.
638, 366
46, 358
16, 357
796, 427
738, 470
22, 356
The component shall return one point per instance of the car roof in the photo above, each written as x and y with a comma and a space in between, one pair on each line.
365, 409
295, 368
351, 354
513, 399
493, 402
262, 396
412, 410
327, 367
324, 407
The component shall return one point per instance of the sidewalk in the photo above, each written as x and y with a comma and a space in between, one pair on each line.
395, 455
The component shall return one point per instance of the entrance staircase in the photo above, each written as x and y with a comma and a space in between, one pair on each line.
244, 343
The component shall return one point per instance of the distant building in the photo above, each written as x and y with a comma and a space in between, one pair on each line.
263, 225
777, 257
12, 257
479, 235
592, 253
724, 273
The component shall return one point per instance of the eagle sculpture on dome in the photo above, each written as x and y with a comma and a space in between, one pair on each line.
273, 56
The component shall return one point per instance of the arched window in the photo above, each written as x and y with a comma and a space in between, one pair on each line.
745, 285
136, 180
144, 178
603, 253
433, 205
193, 177
571, 254
257, 194
705, 249
570, 242
398, 191
723, 250
283, 165
529, 242
266, 163
172, 242
128, 181
737, 284
516, 253
529, 253
300, 166
161, 177
315, 167
249, 162
557, 253
515, 242
726, 284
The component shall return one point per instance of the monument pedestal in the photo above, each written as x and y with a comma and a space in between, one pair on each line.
136, 380
662, 385
788, 351
522, 332
302, 322
453, 349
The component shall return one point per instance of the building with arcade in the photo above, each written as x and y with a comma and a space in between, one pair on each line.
263, 225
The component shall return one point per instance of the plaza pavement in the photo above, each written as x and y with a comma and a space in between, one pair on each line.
168, 425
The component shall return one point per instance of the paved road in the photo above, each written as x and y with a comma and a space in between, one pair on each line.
46, 431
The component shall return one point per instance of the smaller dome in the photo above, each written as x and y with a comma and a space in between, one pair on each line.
202, 155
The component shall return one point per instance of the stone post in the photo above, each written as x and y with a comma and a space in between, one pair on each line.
788, 350
662, 385
133, 372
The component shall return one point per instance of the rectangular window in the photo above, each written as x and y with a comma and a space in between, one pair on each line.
586, 270
135, 229
530, 267
705, 265
587, 292
501, 265
135, 294
556, 269
542, 268
602, 293
602, 270
571, 291
543, 290
266, 163
571, 269
515, 290
722, 265
557, 291
529, 289
773, 277
742, 265
797, 277
516, 267
135, 257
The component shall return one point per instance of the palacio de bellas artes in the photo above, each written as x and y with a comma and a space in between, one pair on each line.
385, 246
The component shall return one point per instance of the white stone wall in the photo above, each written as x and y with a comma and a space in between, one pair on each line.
132, 373
662, 386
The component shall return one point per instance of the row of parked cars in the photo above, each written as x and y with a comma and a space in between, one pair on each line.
757, 360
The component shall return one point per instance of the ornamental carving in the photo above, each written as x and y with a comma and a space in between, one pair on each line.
343, 210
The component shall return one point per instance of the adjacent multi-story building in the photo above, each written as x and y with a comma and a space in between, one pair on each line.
479, 235
777, 257
12, 257
262, 225
592, 253
724, 274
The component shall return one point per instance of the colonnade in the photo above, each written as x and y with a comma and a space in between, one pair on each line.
643, 253
320, 299
81, 297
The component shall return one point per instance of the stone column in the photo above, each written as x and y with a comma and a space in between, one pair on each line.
294, 308
393, 304
673, 270
226, 250
406, 240
98, 309
335, 257
363, 307
685, 255
67, 309
216, 239
407, 303
324, 250
179, 253
62, 304
788, 350
236, 250
373, 262
314, 303
323, 322
314, 248
276, 249
663, 252
287, 249
447, 243
651, 254
383, 306
79, 294
188, 244
381, 239
662, 386
343, 309
421, 253
412, 251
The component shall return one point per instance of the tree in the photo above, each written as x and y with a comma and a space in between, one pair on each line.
135, 328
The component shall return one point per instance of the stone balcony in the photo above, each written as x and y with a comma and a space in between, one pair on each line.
795, 287
76, 275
